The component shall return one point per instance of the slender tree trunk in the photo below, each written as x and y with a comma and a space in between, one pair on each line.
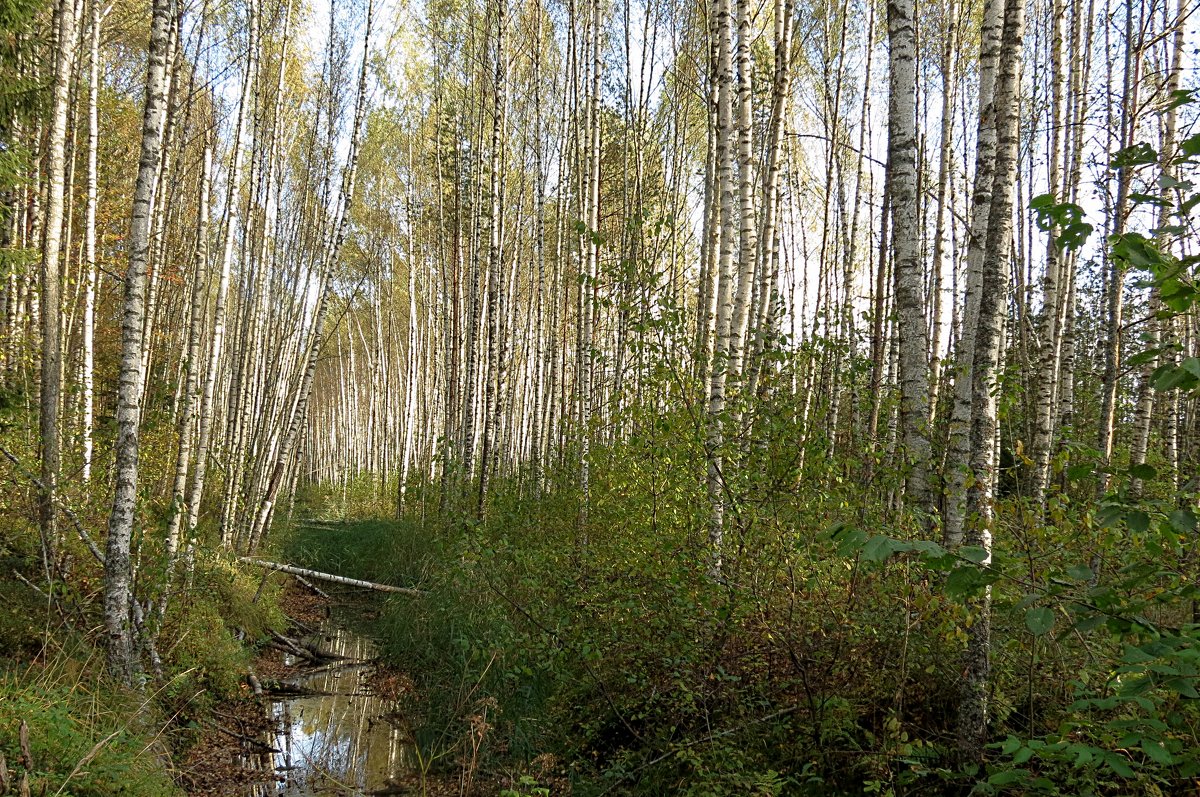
910, 304
66, 33
986, 366
1116, 274
187, 413
118, 598
945, 152
747, 216
495, 276
88, 365
724, 282
959, 444
1053, 304
217, 341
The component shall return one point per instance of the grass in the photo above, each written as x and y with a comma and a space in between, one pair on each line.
84, 738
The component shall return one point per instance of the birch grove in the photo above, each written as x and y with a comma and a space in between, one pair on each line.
748, 287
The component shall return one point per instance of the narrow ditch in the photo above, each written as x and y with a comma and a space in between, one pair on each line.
329, 732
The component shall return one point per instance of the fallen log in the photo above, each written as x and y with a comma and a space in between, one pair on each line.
350, 582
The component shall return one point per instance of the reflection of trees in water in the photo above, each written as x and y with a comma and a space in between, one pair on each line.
337, 736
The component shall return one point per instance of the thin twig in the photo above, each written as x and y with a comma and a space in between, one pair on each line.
30, 584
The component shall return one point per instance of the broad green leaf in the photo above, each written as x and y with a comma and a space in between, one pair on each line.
1169, 377
1148, 199
1008, 777
1143, 471
1080, 572
1180, 97
879, 548
1134, 655
1156, 752
1140, 154
1184, 687
1183, 521
1039, 620
1077, 472
974, 553
1117, 764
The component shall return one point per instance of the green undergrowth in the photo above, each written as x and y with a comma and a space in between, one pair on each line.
86, 735
826, 660
84, 738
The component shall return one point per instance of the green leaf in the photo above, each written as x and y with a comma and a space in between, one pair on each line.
1183, 521
1089, 623
879, 548
1039, 620
1134, 655
1010, 745
851, 543
974, 553
1146, 356
1077, 472
1180, 97
1184, 687
1008, 777
1138, 521
1136, 155
1143, 471
1110, 514
1080, 572
1148, 199
1117, 764
1157, 753
1169, 377
1190, 147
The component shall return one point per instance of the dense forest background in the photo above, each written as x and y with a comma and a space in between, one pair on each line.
784, 397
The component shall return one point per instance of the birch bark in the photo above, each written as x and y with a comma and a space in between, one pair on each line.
910, 303
66, 33
987, 363
118, 598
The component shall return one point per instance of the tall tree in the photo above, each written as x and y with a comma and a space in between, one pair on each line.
910, 279
986, 366
118, 597
66, 30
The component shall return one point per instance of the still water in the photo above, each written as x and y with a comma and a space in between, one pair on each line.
338, 738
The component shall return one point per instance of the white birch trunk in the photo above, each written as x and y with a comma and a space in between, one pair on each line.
910, 303
118, 598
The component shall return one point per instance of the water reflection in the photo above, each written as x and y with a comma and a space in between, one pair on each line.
337, 739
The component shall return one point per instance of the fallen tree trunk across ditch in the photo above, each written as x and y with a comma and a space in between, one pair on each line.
350, 582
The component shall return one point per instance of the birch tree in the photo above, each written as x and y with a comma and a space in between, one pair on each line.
910, 304
986, 366
118, 597
66, 30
